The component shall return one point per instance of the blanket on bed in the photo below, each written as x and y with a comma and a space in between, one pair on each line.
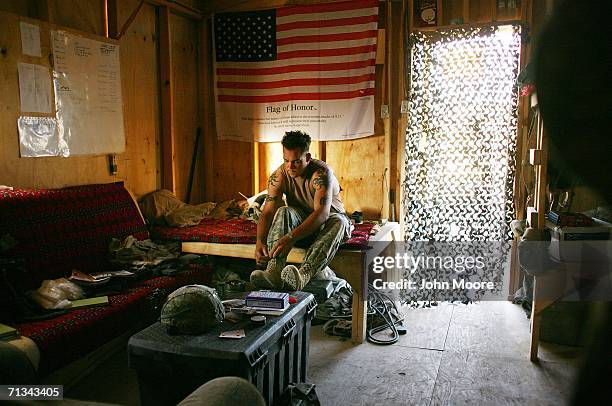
241, 231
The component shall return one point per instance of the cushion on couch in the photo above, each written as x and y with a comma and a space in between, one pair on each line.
58, 230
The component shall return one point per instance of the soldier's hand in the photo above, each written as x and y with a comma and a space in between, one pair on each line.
261, 253
282, 247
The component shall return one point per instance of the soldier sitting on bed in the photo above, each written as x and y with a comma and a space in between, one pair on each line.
314, 208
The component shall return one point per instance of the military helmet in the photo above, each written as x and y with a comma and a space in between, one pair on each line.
192, 309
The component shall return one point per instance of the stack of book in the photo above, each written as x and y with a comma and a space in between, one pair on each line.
268, 300
8, 332
569, 219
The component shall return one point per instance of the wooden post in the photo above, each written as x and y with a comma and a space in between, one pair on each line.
111, 15
402, 119
167, 102
410, 16
255, 169
541, 169
535, 326
207, 119
466, 11
493, 6
387, 100
540, 201
440, 12
322, 150
522, 146
105, 18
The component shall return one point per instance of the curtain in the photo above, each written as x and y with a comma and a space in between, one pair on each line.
460, 144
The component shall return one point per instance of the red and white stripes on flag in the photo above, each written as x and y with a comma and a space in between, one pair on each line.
318, 76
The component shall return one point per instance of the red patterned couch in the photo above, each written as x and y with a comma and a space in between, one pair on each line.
57, 230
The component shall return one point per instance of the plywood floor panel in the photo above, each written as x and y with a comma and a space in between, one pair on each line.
489, 327
367, 374
501, 329
427, 327
468, 378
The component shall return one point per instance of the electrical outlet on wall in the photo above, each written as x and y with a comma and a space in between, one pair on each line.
384, 111
404, 107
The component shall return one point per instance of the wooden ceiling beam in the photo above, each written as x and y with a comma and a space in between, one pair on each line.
178, 8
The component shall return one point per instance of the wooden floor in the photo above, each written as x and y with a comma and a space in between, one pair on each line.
452, 355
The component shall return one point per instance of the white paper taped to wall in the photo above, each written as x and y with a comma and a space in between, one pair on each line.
87, 85
30, 39
34, 88
41, 136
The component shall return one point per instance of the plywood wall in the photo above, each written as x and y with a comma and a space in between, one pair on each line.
33, 172
185, 43
82, 15
140, 165
229, 166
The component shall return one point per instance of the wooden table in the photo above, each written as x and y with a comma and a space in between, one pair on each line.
350, 264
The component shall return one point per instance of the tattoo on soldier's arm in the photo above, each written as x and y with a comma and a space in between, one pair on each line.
321, 181
324, 200
271, 198
273, 180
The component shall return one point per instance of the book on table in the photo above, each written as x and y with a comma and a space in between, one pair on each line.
267, 300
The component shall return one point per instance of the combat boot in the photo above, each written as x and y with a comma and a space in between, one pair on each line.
268, 279
294, 278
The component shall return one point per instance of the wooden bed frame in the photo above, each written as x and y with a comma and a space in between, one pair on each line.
350, 264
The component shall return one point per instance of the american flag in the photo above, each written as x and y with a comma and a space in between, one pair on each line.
314, 52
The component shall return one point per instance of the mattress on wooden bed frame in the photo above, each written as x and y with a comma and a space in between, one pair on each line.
241, 231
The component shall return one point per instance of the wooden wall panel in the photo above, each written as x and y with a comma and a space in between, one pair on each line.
185, 43
228, 165
233, 170
481, 11
360, 167
34, 172
26, 8
271, 157
207, 112
82, 15
140, 164
509, 10
453, 10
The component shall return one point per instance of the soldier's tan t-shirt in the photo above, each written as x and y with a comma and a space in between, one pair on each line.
300, 192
